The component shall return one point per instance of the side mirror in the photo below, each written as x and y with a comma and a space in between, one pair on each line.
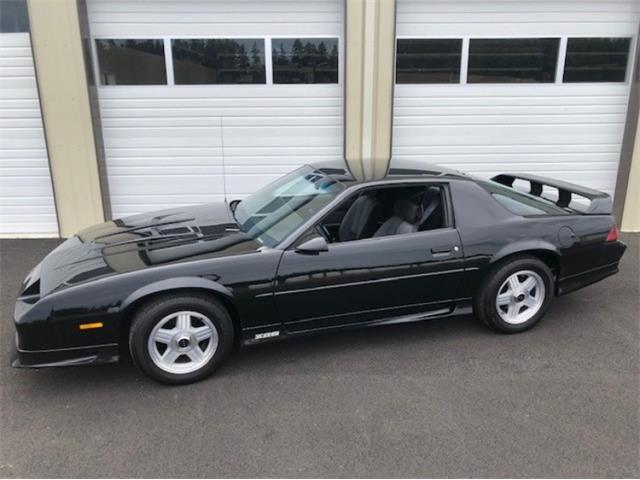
313, 246
234, 204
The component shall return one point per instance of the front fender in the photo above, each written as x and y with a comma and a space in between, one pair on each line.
171, 284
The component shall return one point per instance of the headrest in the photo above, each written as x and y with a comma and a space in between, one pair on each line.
406, 210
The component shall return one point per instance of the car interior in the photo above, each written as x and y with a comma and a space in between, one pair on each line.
385, 211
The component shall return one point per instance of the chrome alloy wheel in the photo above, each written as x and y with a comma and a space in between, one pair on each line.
520, 297
183, 342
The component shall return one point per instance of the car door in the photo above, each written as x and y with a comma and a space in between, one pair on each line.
364, 280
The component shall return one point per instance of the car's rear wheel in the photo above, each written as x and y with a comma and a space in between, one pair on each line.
515, 295
180, 338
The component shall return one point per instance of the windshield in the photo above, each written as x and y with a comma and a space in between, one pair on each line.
274, 212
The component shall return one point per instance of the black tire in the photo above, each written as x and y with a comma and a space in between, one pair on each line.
153, 312
485, 300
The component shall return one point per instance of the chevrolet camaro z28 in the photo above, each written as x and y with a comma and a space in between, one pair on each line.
314, 251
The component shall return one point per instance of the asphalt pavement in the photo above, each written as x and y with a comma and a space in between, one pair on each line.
432, 399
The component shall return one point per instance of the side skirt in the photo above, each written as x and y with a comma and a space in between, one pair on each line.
278, 332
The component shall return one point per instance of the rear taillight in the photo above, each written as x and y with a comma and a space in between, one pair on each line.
613, 234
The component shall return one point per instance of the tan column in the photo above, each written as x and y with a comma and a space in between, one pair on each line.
369, 79
631, 215
66, 114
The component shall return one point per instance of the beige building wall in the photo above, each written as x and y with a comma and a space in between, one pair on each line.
66, 114
631, 212
369, 77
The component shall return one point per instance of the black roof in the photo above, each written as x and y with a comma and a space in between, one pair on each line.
399, 169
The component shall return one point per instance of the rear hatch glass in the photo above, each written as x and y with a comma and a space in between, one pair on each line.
521, 203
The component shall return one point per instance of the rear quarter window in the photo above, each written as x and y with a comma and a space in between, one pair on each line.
521, 203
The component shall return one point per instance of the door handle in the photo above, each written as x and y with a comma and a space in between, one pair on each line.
444, 250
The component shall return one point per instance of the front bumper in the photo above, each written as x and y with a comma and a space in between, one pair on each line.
66, 357
47, 324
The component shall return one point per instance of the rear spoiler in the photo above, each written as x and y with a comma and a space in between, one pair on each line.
599, 202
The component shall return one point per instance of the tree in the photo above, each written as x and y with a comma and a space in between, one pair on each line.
310, 54
256, 61
297, 52
322, 53
283, 54
280, 56
334, 55
242, 58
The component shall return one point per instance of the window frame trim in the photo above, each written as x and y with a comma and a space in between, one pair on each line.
166, 39
528, 37
560, 61
96, 62
631, 57
463, 59
169, 38
450, 223
340, 58
27, 25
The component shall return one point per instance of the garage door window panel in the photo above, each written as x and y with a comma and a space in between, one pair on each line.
218, 61
14, 18
131, 61
512, 60
426, 60
305, 60
596, 60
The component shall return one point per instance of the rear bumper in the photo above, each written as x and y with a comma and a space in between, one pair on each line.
66, 357
574, 282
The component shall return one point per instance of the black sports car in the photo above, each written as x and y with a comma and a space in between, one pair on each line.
313, 251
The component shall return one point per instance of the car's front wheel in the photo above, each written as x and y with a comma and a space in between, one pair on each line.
180, 338
515, 295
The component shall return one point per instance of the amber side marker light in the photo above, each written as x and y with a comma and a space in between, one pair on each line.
91, 326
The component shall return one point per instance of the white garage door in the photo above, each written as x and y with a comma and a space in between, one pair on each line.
200, 98
26, 194
536, 86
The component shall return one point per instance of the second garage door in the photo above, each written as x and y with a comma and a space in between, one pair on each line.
494, 86
199, 99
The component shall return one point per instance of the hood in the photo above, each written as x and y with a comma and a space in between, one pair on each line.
142, 241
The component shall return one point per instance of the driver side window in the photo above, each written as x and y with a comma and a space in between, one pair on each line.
385, 211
